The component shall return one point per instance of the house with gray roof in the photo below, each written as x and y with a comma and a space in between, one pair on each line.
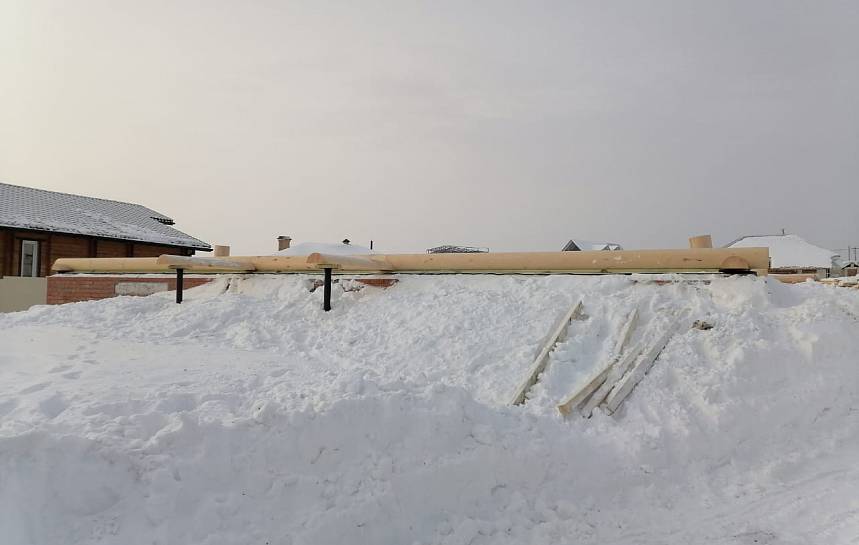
39, 226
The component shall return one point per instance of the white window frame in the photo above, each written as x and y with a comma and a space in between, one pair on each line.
35, 244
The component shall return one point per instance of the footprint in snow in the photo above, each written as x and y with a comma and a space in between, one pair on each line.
6, 407
34, 388
53, 406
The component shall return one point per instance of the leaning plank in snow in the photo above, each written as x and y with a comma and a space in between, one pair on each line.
542, 360
624, 387
616, 373
597, 379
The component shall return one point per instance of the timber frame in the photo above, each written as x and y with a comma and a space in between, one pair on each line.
696, 260
699, 260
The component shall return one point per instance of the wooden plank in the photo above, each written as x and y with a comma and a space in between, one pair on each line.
625, 386
707, 260
108, 264
616, 373
692, 260
542, 359
794, 278
701, 241
199, 263
348, 262
596, 380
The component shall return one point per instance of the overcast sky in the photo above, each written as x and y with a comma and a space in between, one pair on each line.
510, 125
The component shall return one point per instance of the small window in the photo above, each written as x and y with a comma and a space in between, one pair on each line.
29, 258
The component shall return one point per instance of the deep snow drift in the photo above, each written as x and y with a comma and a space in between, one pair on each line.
247, 415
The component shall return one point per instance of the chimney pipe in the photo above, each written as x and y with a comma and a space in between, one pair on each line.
283, 242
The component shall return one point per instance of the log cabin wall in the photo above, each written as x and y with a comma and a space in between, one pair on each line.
53, 246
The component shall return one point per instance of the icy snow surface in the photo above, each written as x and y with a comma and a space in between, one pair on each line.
247, 415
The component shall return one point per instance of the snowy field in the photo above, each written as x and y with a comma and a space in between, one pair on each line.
249, 416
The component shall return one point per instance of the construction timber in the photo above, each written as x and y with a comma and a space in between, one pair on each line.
695, 260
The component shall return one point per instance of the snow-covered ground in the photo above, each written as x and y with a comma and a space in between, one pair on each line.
247, 415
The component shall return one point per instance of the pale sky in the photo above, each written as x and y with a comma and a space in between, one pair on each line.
511, 125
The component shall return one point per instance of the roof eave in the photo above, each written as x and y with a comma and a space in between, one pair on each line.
202, 246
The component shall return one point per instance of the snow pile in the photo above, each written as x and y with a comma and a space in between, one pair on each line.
248, 415
788, 251
307, 248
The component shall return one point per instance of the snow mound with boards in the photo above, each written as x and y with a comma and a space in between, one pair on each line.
248, 415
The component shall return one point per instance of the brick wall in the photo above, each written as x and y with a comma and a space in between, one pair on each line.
71, 289
81, 287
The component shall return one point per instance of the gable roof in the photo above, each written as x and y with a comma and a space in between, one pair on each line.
787, 251
41, 210
576, 245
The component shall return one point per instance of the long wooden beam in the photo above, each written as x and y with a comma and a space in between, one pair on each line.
703, 260
691, 260
208, 263
348, 262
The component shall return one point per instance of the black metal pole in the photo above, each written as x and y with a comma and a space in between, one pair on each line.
326, 291
180, 277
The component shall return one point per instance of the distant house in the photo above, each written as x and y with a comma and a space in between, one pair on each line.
851, 268
38, 226
791, 254
577, 245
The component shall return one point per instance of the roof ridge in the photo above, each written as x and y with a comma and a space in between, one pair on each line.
736, 240
82, 197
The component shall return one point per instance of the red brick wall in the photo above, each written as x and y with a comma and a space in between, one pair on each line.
74, 288
71, 289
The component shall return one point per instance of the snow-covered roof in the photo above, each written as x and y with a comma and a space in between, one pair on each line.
575, 245
41, 210
788, 251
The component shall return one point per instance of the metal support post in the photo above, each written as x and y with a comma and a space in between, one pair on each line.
326, 293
